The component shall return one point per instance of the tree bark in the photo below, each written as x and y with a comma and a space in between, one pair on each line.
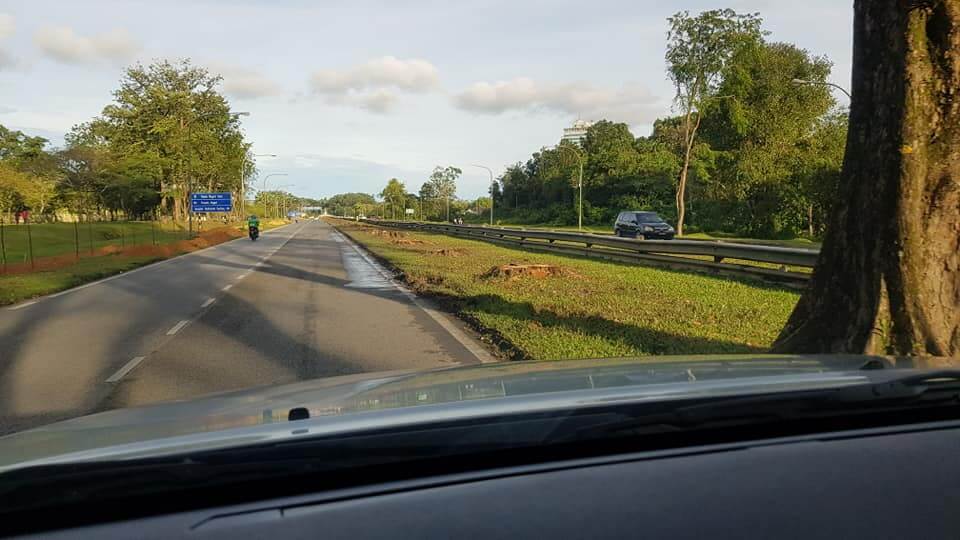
888, 277
689, 138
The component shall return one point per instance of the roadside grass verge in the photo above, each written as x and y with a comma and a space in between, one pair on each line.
591, 309
53, 239
801, 242
699, 236
17, 287
60, 272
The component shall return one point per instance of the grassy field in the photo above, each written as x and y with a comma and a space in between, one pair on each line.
16, 287
804, 243
50, 239
593, 309
53, 240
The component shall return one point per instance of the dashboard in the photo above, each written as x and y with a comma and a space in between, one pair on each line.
901, 482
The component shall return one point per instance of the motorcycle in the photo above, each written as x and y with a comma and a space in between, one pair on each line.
254, 233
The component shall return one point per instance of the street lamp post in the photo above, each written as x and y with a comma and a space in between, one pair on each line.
579, 155
491, 189
243, 187
804, 82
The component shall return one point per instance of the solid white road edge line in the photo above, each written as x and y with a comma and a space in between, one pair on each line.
23, 305
127, 368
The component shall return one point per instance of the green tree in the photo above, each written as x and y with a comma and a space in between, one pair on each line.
444, 182
12, 185
762, 133
612, 163
15, 146
344, 204
36, 187
428, 199
698, 49
395, 193
84, 179
171, 114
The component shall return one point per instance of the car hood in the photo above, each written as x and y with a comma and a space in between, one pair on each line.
370, 401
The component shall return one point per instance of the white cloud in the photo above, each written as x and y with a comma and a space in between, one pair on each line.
64, 45
7, 26
373, 85
412, 75
381, 101
245, 83
6, 110
630, 103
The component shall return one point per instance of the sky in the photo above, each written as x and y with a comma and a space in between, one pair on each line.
350, 93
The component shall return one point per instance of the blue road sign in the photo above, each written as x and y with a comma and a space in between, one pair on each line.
211, 202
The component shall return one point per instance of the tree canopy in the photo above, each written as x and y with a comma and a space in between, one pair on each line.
167, 132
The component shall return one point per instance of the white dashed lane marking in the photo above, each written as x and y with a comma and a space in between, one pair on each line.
127, 368
177, 327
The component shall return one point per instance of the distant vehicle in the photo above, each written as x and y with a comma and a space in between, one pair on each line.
646, 225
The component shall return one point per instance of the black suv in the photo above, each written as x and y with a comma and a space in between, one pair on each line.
646, 225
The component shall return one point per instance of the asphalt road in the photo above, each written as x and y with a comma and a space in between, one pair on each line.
302, 302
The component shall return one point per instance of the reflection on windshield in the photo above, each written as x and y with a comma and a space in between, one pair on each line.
475, 384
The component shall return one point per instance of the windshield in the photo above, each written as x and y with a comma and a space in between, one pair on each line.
647, 217
202, 204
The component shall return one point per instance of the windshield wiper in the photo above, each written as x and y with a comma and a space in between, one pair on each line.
895, 393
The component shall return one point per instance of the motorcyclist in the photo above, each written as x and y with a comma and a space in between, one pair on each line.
253, 226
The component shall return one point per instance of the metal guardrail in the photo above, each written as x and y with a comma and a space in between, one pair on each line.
675, 254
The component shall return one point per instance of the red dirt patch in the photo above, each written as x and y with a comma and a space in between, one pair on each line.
449, 252
205, 239
513, 271
385, 233
395, 237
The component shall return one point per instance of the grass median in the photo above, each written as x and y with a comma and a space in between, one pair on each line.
803, 243
585, 308
58, 268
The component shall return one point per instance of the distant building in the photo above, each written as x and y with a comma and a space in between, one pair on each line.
577, 132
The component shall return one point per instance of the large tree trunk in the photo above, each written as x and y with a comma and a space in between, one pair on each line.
888, 278
689, 140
